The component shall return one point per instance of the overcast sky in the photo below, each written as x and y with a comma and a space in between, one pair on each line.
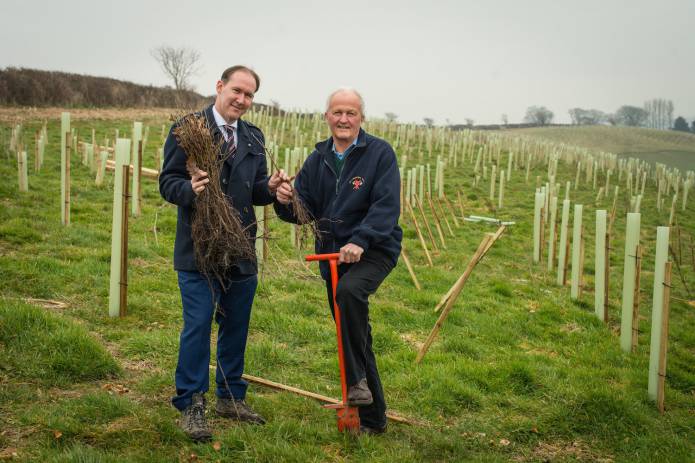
448, 60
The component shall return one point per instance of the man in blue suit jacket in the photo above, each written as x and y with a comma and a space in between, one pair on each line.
245, 182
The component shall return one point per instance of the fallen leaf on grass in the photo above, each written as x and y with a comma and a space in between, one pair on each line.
117, 388
504, 442
217, 446
57, 434
8, 453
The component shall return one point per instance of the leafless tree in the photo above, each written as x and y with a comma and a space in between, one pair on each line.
505, 119
470, 122
179, 64
539, 115
659, 113
391, 117
631, 116
581, 116
429, 122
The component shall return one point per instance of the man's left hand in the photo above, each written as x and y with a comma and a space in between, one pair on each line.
350, 253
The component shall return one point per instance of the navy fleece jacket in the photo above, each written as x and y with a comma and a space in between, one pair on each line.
359, 206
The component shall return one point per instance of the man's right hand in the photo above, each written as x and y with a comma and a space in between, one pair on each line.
284, 193
199, 178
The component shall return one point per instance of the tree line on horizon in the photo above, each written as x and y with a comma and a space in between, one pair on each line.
33, 87
655, 114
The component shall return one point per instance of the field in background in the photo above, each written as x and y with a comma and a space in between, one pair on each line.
675, 149
519, 372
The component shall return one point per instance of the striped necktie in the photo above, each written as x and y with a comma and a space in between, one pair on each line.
231, 145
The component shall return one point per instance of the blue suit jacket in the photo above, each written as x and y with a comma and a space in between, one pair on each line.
244, 179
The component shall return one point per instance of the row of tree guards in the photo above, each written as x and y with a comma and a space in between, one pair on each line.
425, 204
560, 253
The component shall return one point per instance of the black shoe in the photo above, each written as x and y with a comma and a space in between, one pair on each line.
237, 409
359, 395
370, 431
193, 421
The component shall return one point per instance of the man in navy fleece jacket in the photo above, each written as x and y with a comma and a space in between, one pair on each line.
350, 184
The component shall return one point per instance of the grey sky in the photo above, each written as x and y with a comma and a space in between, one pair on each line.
441, 59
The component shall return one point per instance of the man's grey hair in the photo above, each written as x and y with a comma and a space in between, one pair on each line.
345, 90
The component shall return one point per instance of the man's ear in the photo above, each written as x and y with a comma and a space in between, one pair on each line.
218, 86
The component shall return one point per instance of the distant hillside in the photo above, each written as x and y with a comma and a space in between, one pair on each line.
31, 87
619, 140
670, 147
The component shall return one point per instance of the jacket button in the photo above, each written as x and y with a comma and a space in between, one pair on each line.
224, 180
249, 144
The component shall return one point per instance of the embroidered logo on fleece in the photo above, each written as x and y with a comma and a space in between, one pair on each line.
356, 182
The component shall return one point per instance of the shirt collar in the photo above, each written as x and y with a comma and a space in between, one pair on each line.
220, 121
347, 150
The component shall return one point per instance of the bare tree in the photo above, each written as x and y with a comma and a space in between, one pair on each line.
179, 64
391, 117
631, 116
505, 119
429, 122
581, 116
659, 113
469, 122
539, 115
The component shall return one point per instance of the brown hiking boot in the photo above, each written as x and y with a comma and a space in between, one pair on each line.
193, 421
237, 409
359, 395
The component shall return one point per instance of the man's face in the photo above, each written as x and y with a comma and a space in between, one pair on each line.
344, 116
235, 97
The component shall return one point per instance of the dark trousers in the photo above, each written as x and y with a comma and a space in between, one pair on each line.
356, 283
233, 314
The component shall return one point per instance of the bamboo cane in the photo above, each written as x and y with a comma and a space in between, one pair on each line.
409, 267
438, 204
427, 225
452, 210
437, 223
635, 298
123, 283
663, 345
419, 234
485, 245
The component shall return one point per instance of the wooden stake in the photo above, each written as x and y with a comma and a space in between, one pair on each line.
321, 398
427, 225
606, 273
663, 345
635, 298
66, 198
660, 260
409, 267
438, 204
458, 194
419, 234
123, 281
437, 223
484, 246
138, 199
452, 210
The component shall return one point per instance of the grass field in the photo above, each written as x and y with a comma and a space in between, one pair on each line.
675, 149
519, 372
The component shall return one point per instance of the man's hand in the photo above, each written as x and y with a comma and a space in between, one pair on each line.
281, 184
276, 179
350, 253
199, 178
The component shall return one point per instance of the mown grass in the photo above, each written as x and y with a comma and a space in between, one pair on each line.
519, 371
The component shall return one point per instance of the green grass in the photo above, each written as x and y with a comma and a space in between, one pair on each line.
518, 372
